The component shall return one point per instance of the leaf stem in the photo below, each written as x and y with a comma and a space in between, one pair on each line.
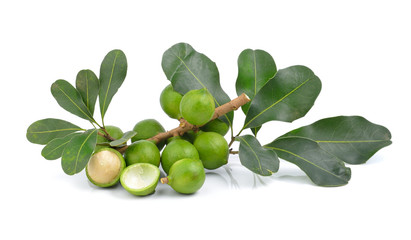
102, 120
105, 134
232, 131
97, 124
238, 134
231, 142
233, 152
92, 123
233, 138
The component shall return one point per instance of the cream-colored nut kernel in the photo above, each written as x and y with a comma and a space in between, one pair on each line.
103, 167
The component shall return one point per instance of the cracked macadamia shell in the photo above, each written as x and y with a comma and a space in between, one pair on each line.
104, 167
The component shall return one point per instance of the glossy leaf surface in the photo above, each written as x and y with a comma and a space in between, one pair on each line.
70, 99
188, 69
255, 68
321, 167
352, 139
258, 159
45, 130
255, 130
78, 151
87, 85
286, 97
54, 149
113, 71
127, 136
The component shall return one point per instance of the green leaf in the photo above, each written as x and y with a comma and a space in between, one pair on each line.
256, 158
255, 68
70, 99
113, 71
126, 136
87, 85
54, 149
45, 130
321, 167
286, 97
78, 151
353, 139
188, 69
255, 130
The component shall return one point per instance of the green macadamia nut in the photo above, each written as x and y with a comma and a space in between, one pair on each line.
169, 140
186, 176
197, 106
146, 129
212, 148
113, 131
176, 150
170, 102
142, 151
140, 179
190, 135
216, 125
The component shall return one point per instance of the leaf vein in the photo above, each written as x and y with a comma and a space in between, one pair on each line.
59, 146
59, 130
71, 100
306, 160
109, 82
199, 81
81, 147
278, 101
255, 74
87, 91
350, 141
255, 154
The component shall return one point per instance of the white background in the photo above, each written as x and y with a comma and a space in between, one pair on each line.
359, 49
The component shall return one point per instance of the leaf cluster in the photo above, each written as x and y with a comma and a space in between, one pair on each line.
63, 139
321, 149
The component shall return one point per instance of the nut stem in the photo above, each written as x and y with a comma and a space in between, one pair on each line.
164, 180
106, 135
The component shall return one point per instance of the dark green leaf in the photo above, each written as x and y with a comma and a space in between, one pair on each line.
70, 99
113, 71
255, 130
127, 136
87, 85
286, 97
102, 144
353, 139
321, 167
54, 149
78, 151
255, 68
188, 69
45, 130
256, 158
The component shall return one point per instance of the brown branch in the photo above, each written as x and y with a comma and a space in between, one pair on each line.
231, 142
107, 135
186, 126
122, 149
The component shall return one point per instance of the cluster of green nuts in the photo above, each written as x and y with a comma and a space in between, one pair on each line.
184, 158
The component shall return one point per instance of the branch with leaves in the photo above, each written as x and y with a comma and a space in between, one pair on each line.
265, 94
186, 126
